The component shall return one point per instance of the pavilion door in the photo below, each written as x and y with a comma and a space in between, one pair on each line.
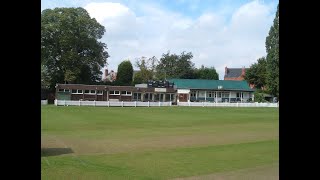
219, 97
183, 97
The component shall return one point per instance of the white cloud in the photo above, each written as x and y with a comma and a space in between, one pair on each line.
107, 10
212, 39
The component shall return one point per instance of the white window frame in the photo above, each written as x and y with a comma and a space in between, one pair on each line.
225, 94
77, 91
137, 93
114, 93
210, 94
126, 94
64, 90
90, 91
193, 93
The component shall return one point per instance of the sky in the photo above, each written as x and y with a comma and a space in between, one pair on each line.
219, 33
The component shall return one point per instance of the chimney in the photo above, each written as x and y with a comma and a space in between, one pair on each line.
226, 70
243, 71
115, 76
105, 72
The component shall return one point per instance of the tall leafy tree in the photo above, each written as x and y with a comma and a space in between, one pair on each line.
272, 47
257, 73
206, 73
138, 78
147, 69
70, 50
45, 78
175, 66
125, 73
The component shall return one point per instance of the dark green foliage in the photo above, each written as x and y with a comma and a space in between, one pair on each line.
70, 50
272, 47
125, 73
175, 66
138, 78
257, 73
258, 97
206, 73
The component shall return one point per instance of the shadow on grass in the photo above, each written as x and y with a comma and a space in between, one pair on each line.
55, 151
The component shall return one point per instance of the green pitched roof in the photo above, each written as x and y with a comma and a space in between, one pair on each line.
211, 84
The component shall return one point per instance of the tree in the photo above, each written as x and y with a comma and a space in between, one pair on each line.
258, 97
138, 78
70, 50
45, 78
125, 73
272, 47
175, 66
257, 73
206, 73
147, 69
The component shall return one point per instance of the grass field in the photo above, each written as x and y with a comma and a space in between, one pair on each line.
159, 143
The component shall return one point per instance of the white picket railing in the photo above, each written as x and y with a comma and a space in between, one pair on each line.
157, 104
44, 102
225, 104
111, 103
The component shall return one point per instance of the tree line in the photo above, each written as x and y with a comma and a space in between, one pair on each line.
264, 74
72, 53
169, 66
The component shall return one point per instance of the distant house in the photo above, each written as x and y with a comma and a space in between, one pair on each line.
236, 74
109, 77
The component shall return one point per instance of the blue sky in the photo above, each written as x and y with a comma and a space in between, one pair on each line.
219, 33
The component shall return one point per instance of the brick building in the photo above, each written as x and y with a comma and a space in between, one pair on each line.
114, 93
236, 74
109, 76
